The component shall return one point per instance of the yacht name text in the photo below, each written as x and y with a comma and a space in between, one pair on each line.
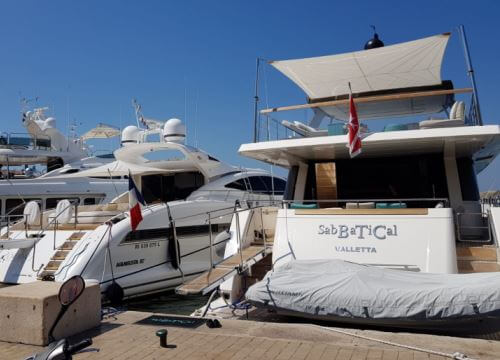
380, 232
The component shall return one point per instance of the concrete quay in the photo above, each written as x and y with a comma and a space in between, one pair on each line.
119, 337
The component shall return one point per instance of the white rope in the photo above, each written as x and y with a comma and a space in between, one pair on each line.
455, 355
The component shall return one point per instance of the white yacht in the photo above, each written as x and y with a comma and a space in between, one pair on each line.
44, 144
409, 201
190, 197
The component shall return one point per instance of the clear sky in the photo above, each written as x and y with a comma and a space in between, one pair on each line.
196, 59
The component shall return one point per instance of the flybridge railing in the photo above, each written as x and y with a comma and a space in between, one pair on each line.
39, 142
269, 128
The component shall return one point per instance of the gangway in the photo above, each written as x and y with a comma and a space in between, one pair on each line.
236, 264
255, 243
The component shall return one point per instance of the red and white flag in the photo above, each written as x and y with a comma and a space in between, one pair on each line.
353, 135
135, 200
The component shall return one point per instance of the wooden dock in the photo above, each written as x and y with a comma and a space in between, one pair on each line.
121, 338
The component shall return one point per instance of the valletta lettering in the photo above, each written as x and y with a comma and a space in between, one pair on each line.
358, 249
380, 232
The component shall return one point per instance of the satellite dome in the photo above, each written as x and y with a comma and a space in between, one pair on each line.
375, 42
174, 131
130, 135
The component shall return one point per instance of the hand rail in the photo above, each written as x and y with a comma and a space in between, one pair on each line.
483, 217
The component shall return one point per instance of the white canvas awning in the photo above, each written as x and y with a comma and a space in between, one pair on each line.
406, 65
102, 131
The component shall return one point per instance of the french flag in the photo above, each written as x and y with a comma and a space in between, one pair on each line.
353, 135
135, 200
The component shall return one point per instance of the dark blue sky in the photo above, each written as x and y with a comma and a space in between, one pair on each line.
95, 56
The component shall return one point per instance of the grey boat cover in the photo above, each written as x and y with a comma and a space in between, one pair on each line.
337, 289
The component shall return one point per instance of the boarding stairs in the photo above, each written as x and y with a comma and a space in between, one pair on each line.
60, 255
477, 243
477, 258
251, 260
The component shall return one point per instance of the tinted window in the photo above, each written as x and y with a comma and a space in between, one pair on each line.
278, 187
15, 207
51, 203
89, 201
172, 187
238, 185
467, 176
257, 185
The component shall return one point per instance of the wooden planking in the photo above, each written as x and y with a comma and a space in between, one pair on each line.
366, 99
76, 227
467, 266
76, 236
204, 280
416, 211
246, 254
326, 183
222, 270
477, 253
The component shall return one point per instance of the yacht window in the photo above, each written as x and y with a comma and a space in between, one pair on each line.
278, 186
290, 183
163, 188
108, 177
468, 182
16, 206
153, 138
421, 176
51, 203
91, 201
257, 185
106, 156
238, 185
70, 171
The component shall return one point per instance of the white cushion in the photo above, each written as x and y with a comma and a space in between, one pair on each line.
32, 213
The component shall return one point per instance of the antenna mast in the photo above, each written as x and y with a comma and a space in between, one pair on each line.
256, 97
470, 72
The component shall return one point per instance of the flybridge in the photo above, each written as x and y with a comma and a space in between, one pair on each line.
392, 81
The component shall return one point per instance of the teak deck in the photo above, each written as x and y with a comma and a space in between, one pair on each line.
416, 211
224, 270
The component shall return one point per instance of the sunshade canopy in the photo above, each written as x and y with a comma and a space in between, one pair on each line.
102, 131
410, 64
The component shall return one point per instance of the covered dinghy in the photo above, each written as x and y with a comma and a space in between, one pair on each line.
337, 290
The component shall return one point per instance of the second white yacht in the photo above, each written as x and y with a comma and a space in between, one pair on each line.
190, 196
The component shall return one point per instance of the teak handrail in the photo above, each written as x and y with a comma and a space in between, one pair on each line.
359, 100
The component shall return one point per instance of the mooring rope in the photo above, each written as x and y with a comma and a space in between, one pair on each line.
455, 355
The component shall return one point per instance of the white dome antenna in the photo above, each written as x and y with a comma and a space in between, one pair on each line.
130, 135
174, 131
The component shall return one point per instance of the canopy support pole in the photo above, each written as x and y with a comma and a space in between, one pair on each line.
470, 72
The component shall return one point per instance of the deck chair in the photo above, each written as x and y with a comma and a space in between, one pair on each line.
457, 118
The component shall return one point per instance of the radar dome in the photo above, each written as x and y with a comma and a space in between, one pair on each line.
174, 131
130, 135
375, 42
